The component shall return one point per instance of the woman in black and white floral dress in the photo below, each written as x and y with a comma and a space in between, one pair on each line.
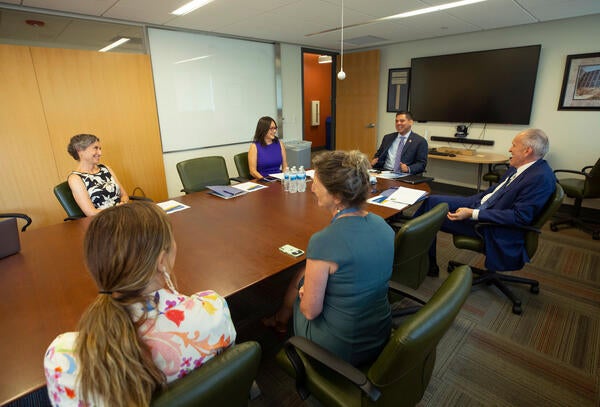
94, 185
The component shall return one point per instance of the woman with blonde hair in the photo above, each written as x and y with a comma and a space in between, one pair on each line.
340, 300
139, 333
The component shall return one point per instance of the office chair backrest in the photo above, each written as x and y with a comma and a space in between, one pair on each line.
403, 369
411, 247
241, 164
592, 185
225, 380
64, 195
554, 202
197, 173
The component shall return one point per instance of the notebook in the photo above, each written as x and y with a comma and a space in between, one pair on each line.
9, 237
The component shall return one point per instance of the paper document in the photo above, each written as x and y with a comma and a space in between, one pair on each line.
407, 195
172, 206
249, 186
225, 191
383, 200
391, 175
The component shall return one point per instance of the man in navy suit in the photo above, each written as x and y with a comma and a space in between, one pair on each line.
517, 200
412, 148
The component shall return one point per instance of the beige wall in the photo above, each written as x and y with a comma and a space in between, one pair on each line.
48, 95
574, 135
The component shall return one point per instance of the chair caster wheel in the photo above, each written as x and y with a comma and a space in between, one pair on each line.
517, 309
553, 227
535, 289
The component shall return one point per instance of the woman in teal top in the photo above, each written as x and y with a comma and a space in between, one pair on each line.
341, 301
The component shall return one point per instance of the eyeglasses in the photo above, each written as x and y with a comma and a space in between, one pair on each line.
273, 128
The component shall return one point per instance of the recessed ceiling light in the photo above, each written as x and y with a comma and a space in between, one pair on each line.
325, 59
404, 15
189, 7
114, 44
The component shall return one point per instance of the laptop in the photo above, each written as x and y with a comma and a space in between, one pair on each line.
9, 237
415, 179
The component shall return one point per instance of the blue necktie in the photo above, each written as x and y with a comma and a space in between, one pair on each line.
510, 174
397, 161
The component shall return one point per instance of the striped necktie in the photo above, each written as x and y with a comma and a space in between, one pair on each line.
510, 175
397, 161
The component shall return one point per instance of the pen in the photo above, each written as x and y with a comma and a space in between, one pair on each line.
252, 188
227, 192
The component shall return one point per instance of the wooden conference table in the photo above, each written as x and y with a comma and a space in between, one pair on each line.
224, 245
478, 158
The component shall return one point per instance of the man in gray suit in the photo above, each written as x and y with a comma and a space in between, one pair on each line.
403, 151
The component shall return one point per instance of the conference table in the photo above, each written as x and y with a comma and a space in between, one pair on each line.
477, 158
223, 245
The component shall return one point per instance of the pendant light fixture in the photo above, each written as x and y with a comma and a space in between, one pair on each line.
341, 74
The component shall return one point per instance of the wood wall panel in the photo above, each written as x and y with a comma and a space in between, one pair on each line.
110, 95
27, 161
48, 95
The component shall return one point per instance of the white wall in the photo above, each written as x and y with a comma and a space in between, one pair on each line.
574, 135
291, 64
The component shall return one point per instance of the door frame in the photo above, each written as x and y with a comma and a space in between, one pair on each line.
334, 55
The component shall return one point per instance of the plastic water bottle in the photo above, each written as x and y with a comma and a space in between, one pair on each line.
286, 179
301, 179
293, 180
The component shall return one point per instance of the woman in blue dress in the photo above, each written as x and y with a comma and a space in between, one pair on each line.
340, 300
267, 153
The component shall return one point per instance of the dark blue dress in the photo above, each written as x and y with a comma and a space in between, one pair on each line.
268, 158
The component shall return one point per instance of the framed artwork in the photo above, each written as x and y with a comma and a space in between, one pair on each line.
398, 86
581, 83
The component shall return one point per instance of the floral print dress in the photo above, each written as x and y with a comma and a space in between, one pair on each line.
103, 190
182, 332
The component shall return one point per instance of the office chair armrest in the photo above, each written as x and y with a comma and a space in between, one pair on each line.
407, 292
139, 198
586, 168
497, 166
18, 215
73, 218
582, 173
187, 191
328, 359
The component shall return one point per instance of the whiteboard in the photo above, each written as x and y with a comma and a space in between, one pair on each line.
210, 91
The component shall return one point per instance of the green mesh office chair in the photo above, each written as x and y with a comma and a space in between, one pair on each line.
411, 246
241, 164
65, 196
197, 173
225, 380
586, 186
401, 373
495, 173
497, 277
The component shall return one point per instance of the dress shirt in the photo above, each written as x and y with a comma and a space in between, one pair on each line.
393, 150
500, 186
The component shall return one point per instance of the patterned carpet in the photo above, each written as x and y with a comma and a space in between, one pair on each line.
548, 356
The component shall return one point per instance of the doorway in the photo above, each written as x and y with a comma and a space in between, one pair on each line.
318, 98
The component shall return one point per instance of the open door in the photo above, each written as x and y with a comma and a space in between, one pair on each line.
357, 99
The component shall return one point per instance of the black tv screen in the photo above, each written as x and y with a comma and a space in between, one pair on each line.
494, 86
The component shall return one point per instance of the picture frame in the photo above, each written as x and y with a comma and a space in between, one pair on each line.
398, 89
581, 83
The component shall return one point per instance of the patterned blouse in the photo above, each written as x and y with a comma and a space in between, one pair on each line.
182, 332
102, 188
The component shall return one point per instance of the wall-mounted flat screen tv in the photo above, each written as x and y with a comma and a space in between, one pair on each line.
494, 86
